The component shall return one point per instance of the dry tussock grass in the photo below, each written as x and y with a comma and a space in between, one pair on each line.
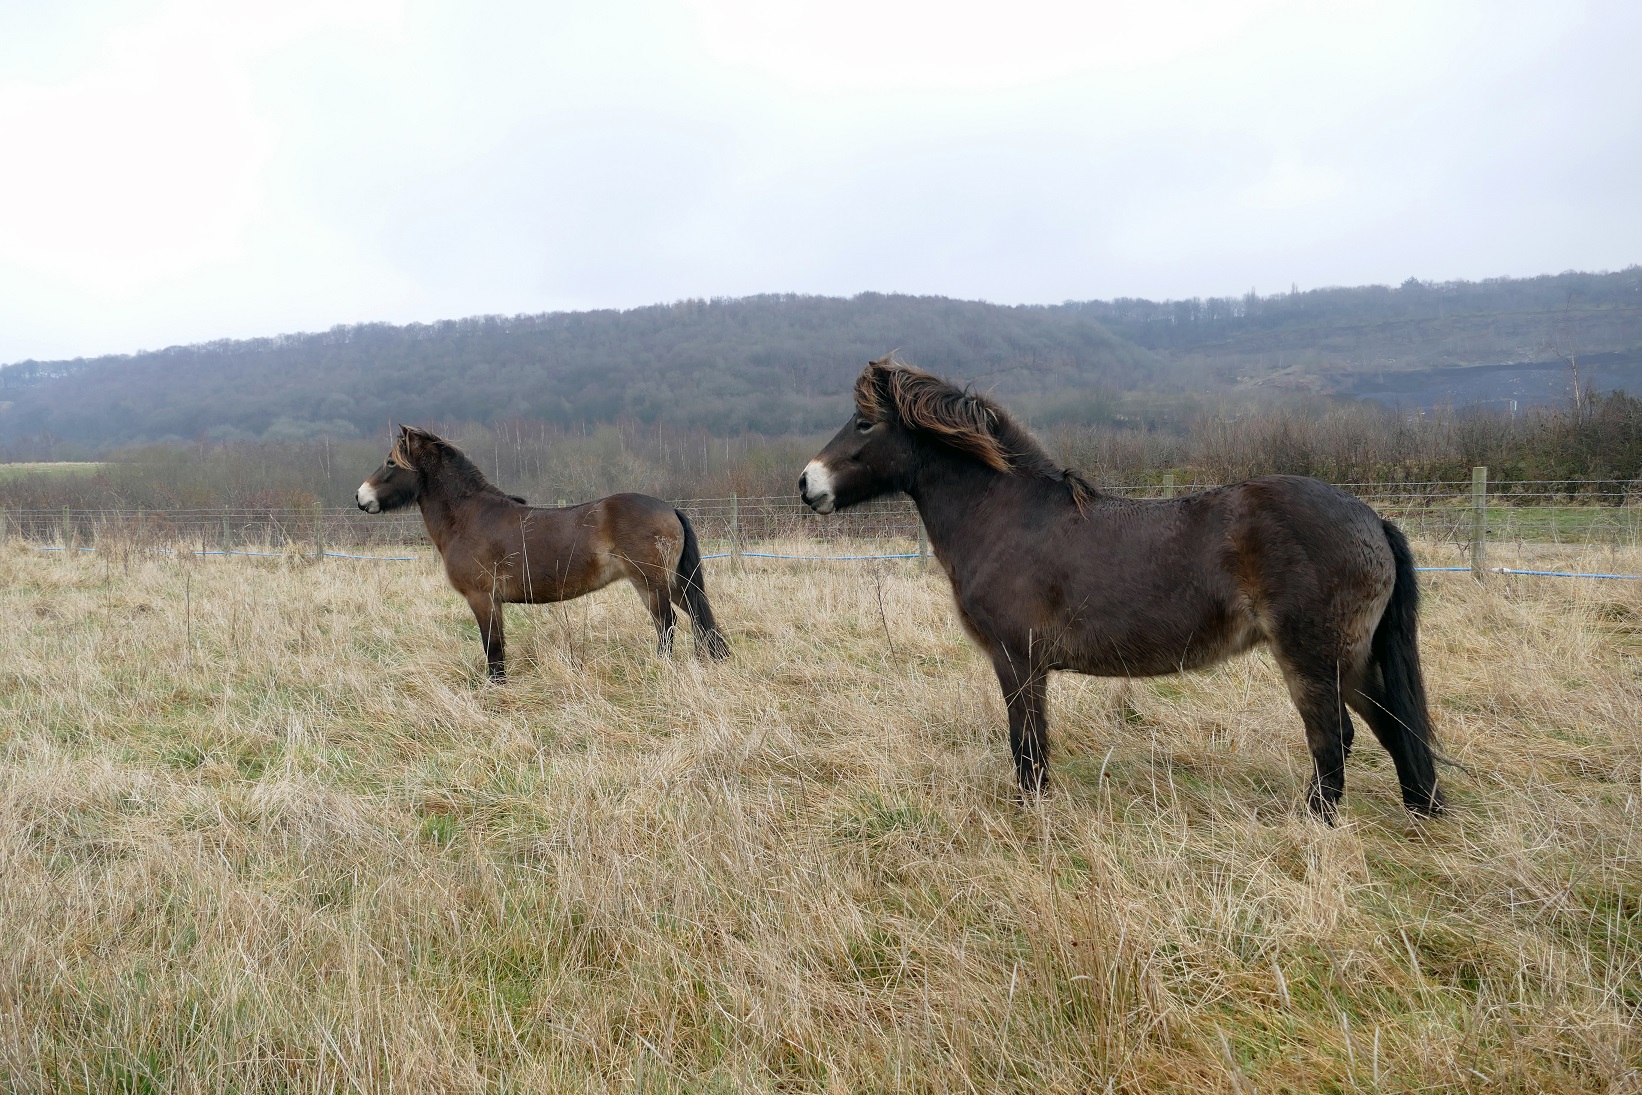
262, 828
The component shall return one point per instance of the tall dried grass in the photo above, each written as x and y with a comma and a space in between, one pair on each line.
262, 828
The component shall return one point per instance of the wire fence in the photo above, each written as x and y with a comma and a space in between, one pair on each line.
1563, 512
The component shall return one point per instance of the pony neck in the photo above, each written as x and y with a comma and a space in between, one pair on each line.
441, 496
948, 488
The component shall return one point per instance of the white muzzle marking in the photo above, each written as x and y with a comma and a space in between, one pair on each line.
818, 487
366, 497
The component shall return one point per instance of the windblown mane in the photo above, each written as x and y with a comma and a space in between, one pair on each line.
965, 420
414, 447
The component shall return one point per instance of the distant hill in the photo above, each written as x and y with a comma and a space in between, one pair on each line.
772, 364
781, 363
1420, 343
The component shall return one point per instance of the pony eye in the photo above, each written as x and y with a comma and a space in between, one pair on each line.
862, 425
391, 464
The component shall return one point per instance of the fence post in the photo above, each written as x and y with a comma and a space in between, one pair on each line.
225, 543
68, 531
735, 531
142, 526
1479, 522
1168, 485
319, 531
923, 543
3, 529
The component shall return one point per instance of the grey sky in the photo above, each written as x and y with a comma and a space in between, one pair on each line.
179, 170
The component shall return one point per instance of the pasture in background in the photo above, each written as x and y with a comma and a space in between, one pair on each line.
49, 468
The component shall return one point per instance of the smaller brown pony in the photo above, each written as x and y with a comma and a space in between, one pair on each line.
500, 550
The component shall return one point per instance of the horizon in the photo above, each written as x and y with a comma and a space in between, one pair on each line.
431, 323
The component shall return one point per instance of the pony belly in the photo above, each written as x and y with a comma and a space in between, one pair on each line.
548, 581
1157, 655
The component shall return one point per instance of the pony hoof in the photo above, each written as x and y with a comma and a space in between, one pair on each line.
1033, 792
1427, 811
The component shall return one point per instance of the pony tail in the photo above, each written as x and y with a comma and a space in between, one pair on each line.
1403, 723
709, 639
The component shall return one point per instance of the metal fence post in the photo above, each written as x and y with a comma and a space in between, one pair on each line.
1168, 485
1479, 522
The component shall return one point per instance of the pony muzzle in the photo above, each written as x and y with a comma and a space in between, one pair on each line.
815, 487
366, 497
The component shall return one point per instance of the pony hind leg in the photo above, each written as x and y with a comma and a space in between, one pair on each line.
1317, 692
658, 601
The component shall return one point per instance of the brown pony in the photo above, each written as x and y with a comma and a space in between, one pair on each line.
1050, 573
500, 550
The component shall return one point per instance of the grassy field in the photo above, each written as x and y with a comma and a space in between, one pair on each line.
262, 828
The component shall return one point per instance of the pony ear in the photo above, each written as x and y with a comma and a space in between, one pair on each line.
413, 440
874, 388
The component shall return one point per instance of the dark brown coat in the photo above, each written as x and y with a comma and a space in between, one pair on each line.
1049, 573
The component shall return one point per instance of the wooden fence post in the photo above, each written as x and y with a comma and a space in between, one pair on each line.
1479, 522
1168, 485
225, 530
923, 543
735, 532
319, 531
3, 529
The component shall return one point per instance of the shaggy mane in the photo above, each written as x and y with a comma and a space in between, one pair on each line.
431, 454
966, 421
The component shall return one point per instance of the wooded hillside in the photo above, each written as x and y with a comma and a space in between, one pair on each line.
782, 364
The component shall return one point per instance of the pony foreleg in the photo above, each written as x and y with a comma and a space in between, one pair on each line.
487, 612
1024, 692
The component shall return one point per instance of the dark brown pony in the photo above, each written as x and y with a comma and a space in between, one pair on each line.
499, 550
1050, 573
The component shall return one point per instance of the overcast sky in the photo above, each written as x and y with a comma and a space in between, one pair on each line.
179, 170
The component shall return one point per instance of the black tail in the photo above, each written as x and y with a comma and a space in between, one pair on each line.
694, 592
1404, 724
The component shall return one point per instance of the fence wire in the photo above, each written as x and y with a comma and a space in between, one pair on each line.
1565, 512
